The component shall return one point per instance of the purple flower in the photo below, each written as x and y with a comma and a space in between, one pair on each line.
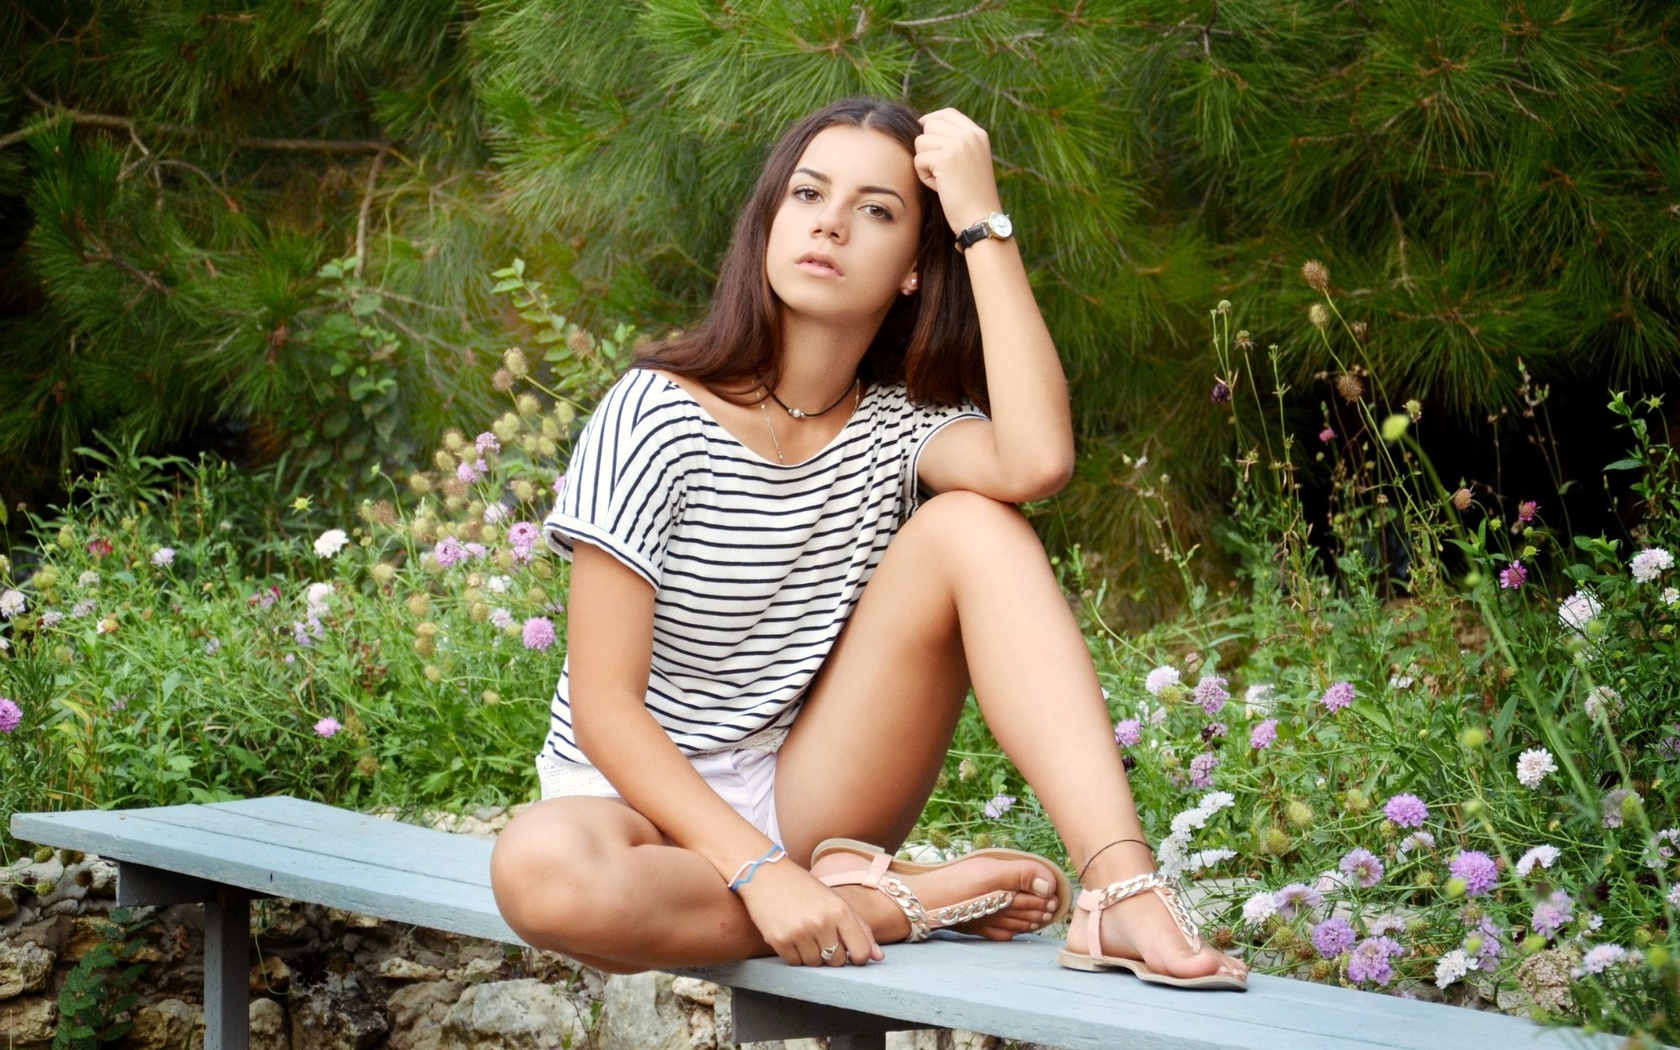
11, 715
1526, 511
1553, 914
1214, 731
1406, 811
1337, 697
1201, 769
487, 443
1364, 865
1513, 576
539, 633
1263, 735
1332, 937
523, 536
1212, 694
1221, 392
999, 805
1476, 869
1128, 732
467, 473
449, 552
328, 727
1296, 898
1370, 960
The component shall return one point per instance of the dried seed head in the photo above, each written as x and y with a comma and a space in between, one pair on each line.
1318, 315
1350, 387
502, 381
1316, 276
514, 361
1360, 328
1244, 341
1461, 499
453, 440
581, 343
1224, 306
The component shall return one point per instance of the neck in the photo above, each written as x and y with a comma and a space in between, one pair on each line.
819, 360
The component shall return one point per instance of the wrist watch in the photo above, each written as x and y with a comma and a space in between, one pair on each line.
996, 224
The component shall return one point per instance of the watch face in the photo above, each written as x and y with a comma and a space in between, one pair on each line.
1000, 224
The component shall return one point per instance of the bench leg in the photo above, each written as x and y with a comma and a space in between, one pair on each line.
874, 1041
227, 968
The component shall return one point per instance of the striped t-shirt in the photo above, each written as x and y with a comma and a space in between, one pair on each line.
755, 565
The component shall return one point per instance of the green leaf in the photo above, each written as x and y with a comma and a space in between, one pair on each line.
1626, 464
366, 303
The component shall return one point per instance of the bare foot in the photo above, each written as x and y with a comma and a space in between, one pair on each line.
1141, 927
1032, 908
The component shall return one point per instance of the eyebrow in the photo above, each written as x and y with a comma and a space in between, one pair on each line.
826, 181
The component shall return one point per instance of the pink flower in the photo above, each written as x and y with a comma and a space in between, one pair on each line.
449, 552
99, 547
1407, 811
560, 484
1201, 769
1128, 732
1363, 865
487, 443
11, 715
539, 633
328, 727
1326, 435
1526, 511
998, 806
1512, 576
1211, 694
1477, 869
467, 473
1337, 697
1263, 735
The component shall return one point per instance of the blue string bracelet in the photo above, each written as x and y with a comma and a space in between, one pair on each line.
744, 874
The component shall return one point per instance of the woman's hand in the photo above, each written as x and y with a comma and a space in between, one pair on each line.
954, 160
798, 917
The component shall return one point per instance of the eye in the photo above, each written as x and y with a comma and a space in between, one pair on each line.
805, 193
878, 211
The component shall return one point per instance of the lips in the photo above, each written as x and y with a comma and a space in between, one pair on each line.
820, 264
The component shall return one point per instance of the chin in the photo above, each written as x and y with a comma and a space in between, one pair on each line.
824, 300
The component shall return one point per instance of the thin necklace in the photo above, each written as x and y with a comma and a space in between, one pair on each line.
800, 414
857, 388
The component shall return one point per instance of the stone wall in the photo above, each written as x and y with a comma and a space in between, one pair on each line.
323, 979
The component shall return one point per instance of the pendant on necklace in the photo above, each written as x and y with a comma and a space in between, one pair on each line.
796, 413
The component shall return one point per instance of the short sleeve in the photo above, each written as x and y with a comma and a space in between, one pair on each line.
625, 483
919, 424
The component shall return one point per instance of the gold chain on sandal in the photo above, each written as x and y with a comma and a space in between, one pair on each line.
922, 924
1164, 888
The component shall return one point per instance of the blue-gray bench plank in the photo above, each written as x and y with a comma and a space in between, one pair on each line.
315, 853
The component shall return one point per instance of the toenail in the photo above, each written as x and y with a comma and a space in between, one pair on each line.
1042, 887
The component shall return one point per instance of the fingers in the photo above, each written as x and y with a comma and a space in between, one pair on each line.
858, 942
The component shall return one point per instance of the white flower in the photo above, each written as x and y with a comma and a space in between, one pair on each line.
1263, 905
500, 618
1214, 801
494, 513
1386, 923
1674, 896
1399, 682
1614, 802
315, 597
1671, 595
497, 584
1160, 679
4, 645
1605, 701
1543, 855
1207, 858
163, 557
1259, 700
88, 579
1578, 610
330, 542
1601, 958
11, 603
1453, 965
1416, 840
1171, 856
1333, 882
1533, 766
1649, 563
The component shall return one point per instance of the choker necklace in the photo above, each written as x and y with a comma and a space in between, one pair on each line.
799, 414
857, 388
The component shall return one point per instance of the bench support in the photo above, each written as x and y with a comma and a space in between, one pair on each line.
227, 944
761, 1017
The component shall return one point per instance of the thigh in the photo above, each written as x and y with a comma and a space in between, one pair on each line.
862, 757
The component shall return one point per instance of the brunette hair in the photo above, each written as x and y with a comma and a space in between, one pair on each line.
929, 340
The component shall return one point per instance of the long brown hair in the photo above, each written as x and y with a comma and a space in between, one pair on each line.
930, 340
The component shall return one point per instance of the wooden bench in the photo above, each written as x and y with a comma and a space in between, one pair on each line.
225, 854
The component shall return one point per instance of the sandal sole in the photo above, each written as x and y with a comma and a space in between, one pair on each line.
1064, 888
1073, 960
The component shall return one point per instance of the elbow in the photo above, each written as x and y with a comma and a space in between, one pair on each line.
1042, 479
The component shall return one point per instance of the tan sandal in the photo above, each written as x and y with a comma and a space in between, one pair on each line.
1095, 902
879, 876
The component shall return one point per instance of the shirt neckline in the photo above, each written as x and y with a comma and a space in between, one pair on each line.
710, 420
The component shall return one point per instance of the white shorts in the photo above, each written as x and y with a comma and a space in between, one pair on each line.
744, 777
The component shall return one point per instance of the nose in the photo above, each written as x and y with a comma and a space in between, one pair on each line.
831, 222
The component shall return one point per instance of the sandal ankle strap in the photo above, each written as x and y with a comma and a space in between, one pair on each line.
1097, 901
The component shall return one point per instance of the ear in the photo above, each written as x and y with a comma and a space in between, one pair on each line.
911, 284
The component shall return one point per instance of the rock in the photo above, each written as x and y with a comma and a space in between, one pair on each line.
268, 1026
270, 976
639, 1012
702, 1030
397, 968
24, 968
336, 1015
8, 903
418, 1012
338, 919
167, 1025
102, 878
28, 1023
477, 970
516, 1015
694, 990
279, 920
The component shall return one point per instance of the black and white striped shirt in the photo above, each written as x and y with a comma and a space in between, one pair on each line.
755, 565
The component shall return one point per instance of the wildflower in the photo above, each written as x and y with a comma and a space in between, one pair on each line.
1128, 732
1526, 511
163, 557
1160, 678
85, 607
1263, 905
449, 552
1385, 924
514, 361
560, 484
11, 715
1201, 769
1452, 966
212, 647
1297, 898
1674, 896
487, 443
494, 513
1332, 937
1578, 610
315, 598
107, 626
1337, 697
1370, 960
1601, 958
500, 619
1350, 387
1543, 855
330, 543
1363, 865
1649, 564
1318, 315
1615, 805
523, 537
1476, 869
12, 602
1671, 595
1416, 840
1211, 694
467, 473
1317, 277
1263, 735
1603, 700
49, 619
1553, 914
1513, 576
1327, 435
999, 805
327, 727
99, 547
87, 579
539, 633
1221, 392
1461, 498
1207, 858
1533, 766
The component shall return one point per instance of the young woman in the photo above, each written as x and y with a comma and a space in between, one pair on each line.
752, 666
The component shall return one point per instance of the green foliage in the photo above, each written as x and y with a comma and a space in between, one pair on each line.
95, 991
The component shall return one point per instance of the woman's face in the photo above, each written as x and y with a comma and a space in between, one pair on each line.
843, 243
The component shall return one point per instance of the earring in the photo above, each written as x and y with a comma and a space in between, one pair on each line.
914, 281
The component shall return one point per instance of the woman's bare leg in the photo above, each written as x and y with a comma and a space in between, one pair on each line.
965, 592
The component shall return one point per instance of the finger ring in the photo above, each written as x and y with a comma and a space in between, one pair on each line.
828, 953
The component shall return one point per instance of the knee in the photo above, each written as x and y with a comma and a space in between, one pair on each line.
549, 880
967, 524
